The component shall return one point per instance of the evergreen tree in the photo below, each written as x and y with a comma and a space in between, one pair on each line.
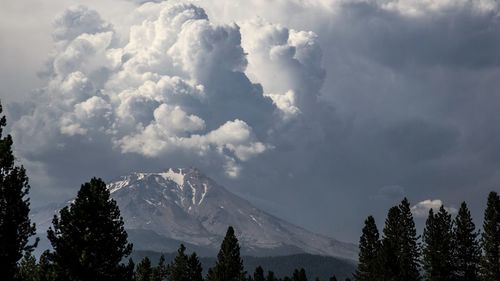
389, 255
399, 257
28, 269
333, 278
409, 255
270, 276
160, 272
299, 275
46, 269
195, 268
229, 266
490, 264
258, 274
15, 225
179, 268
467, 252
89, 239
438, 248
144, 271
369, 248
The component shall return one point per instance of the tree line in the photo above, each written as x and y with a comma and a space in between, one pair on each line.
89, 241
449, 249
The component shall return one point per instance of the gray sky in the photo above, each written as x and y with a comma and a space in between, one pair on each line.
319, 111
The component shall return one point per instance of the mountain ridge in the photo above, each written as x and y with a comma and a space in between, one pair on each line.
186, 206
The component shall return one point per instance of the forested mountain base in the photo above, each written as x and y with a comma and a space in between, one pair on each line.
317, 266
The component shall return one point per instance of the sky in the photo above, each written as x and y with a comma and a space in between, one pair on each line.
321, 112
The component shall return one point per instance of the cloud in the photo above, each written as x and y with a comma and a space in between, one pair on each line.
286, 62
176, 86
76, 21
312, 103
421, 209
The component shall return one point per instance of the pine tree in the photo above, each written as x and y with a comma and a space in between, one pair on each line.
258, 274
333, 278
144, 271
15, 225
195, 268
490, 240
299, 275
467, 252
389, 255
399, 257
160, 272
28, 269
229, 266
46, 269
89, 239
369, 249
431, 244
179, 268
409, 256
270, 276
438, 248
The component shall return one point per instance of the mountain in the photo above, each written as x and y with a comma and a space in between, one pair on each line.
162, 210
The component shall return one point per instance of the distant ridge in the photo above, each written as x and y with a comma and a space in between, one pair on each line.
322, 267
162, 210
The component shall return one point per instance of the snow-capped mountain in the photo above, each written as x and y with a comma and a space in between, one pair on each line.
161, 210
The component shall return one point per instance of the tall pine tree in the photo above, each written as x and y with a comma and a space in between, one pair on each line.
400, 254
195, 268
229, 266
89, 239
389, 255
15, 225
144, 270
409, 256
467, 252
369, 250
179, 268
490, 240
438, 248
160, 272
258, 274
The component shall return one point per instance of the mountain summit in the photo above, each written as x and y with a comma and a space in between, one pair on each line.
164, 209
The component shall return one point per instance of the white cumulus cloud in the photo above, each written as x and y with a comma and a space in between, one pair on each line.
177, 85
421, 209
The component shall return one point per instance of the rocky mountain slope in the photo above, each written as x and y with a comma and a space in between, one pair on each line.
164, 209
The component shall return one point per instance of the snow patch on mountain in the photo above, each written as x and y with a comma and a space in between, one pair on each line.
177, 176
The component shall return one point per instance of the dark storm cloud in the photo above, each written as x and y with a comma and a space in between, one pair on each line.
418, 140
383, 99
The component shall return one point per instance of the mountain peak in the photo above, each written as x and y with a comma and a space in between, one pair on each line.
176, 175
186, 206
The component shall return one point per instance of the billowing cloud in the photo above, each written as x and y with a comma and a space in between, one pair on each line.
303, 102
176, 86
421, 209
